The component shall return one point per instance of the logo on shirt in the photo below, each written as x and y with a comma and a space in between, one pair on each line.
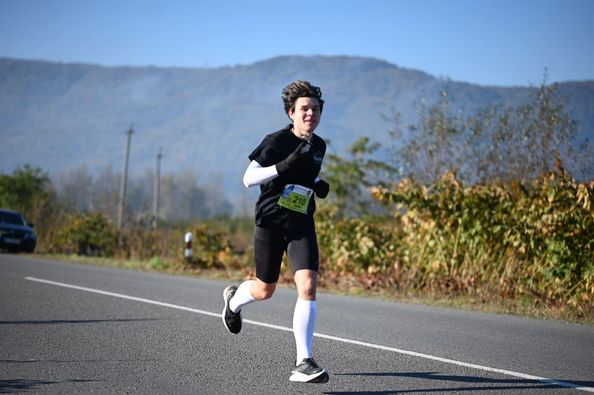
318, 158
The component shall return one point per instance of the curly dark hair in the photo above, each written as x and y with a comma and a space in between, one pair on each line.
298, 89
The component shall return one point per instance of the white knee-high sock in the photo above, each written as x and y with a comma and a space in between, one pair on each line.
304, 324
242, 296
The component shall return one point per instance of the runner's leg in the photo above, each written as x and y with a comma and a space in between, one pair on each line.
304, 256
304, 320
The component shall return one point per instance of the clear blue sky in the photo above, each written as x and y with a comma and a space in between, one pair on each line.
503, 42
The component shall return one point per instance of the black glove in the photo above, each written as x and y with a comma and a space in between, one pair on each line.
321, 188
296, 158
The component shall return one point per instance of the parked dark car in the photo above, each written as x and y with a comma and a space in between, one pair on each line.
15, 233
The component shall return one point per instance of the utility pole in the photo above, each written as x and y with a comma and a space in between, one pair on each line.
122, 204
156, 189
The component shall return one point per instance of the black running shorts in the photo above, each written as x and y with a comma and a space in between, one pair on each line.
270, 245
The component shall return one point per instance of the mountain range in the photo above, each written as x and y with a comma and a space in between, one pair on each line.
60, 116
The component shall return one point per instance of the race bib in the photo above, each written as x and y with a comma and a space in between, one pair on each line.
296, 198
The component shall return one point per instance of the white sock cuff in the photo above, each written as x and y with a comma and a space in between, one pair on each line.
242, 297
306, 303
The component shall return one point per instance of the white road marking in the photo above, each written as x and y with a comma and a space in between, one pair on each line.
545, 380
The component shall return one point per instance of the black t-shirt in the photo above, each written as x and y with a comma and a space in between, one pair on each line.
274, 148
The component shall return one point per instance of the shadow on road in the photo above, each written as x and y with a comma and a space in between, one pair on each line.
18, 385
490, 384
57, 322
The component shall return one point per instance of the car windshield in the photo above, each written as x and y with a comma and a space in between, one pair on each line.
11, 218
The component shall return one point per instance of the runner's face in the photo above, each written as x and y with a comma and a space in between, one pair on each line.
306, 116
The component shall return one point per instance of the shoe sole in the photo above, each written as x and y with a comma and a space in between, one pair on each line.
321, 377
226, 298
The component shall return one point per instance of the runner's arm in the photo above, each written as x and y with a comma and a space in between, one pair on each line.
255, 174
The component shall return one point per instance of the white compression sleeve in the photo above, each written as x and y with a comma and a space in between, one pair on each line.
304, 323
255, 174
242, 297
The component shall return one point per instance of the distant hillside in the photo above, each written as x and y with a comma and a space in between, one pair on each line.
60, 116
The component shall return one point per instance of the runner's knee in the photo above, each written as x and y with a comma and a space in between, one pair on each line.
307, 293
306, 284
261, 290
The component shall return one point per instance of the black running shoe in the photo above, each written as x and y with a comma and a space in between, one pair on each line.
309, 372
231, 320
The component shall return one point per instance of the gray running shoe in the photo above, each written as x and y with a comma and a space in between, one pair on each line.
309, 372
231, 320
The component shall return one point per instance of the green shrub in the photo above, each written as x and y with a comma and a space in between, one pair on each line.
86, 234
355, 245
211, 249
533, 239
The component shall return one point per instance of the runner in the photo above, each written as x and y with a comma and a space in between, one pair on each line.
286, 165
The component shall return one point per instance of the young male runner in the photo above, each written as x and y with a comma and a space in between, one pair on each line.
286, 165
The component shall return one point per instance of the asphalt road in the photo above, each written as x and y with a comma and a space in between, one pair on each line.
67, 328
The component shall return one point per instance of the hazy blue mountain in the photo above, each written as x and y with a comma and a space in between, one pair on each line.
59, 116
